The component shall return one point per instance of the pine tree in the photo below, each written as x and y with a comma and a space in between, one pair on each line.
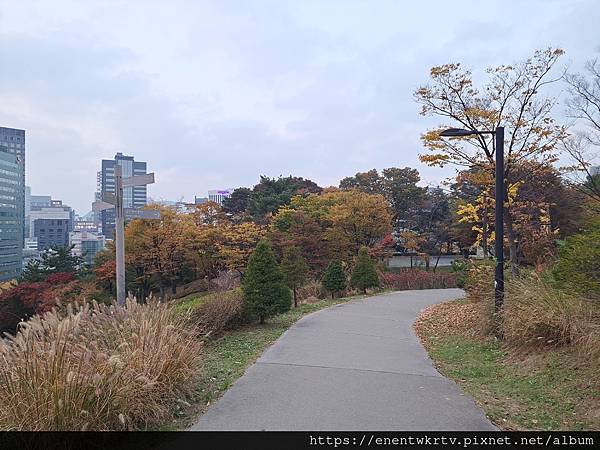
294, 270
334, 278
265, 294
364, 275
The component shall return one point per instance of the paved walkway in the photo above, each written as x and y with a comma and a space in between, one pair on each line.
355, 366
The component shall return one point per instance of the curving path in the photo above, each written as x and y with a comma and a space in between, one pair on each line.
355, 366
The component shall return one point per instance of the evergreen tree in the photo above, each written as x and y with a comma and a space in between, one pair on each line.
334, 278
294, 270
54, 260
265, 294
364, 275
34, 272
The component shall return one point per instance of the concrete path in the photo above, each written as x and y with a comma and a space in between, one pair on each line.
355, 366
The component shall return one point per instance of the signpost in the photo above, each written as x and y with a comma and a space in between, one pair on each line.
147, 214
110, 200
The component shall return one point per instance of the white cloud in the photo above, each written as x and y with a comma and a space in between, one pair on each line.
213, 94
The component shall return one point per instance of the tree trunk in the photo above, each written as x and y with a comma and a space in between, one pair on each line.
295, 298
261, 319
332, 295
173, 287
436, 263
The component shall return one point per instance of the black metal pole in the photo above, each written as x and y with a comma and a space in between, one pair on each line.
499, 230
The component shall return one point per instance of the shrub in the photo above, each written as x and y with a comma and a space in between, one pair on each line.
364, 274
479, 283
536, 313
264, 292
294, 270
334, 278
100, 367
578, 265
222, 310
311, 292
417, 279
461, 268
29, 298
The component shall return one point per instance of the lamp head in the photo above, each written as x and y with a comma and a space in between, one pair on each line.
457, 132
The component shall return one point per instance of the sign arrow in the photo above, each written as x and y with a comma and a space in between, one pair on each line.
139, 180
148, 214
101, 206
109, 197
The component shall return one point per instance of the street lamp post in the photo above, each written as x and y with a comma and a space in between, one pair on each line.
499, 210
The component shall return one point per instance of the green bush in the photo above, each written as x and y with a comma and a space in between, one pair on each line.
265, 294
334, 278
461, 268
578, 265
364, 275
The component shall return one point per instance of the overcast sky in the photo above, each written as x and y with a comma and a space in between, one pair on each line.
214, 94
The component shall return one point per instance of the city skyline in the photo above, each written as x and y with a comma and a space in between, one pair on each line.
275, 88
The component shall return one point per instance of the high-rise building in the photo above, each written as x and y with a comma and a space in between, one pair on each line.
218, 195
86, 244
12, 202
133, 196
50, 223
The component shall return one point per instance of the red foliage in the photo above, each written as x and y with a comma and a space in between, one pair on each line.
19, 303
60, 278
29, 298
417, 279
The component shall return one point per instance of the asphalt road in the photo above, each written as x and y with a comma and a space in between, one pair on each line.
355, 366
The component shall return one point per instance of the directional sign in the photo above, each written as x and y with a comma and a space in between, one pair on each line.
109, 197
139, 180
101, 206
131, 214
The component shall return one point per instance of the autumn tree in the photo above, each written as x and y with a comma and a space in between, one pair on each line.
583, 105
272, 193
161, 251
364, 274
369, 182
357, 219
265, 293
238, 242
237, 203
334, 278
296, 228
208, 213
294, 270
397, 185
511, 98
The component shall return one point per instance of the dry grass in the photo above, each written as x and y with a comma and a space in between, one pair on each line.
551, 388
457, 317
97, 368
480, 290
311, 292
537, 314
221, 311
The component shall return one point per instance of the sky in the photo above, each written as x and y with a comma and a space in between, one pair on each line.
213, 94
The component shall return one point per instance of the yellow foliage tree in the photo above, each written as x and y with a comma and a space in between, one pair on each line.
512, 99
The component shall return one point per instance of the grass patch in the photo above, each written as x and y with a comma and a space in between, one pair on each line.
550, 389
225, 359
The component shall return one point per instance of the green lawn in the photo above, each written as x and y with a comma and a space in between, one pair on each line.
227, 357
544, 390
